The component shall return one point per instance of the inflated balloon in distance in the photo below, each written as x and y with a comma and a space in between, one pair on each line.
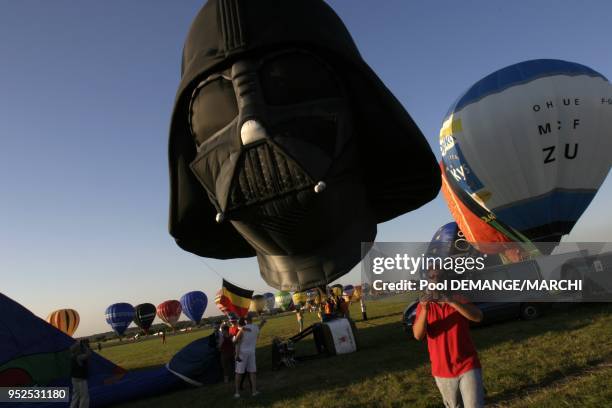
448, 240
258, 303
283, 300
270, 301
169, 312
66, 320
299, 299
194, 305
119, 316
144, 314
530, 144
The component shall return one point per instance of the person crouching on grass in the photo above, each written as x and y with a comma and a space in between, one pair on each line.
246, 344
445, 321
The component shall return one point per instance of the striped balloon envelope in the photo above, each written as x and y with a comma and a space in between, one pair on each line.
119, 316
530, 144
169, 312
66, 320
194, 305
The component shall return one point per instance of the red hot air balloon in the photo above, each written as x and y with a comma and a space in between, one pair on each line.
169, 312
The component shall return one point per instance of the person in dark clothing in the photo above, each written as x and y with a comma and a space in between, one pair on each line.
79, 360
226, 349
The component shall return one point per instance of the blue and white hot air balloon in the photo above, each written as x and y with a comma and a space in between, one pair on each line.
194, 305
119, 316
532, 144
270, 300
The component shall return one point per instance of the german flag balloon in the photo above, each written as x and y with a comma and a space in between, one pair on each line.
66, 320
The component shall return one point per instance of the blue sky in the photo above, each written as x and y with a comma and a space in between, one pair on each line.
86, 92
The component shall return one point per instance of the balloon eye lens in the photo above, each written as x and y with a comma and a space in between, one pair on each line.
213, 106
296, 77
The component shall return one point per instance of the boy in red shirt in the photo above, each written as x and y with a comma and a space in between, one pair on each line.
454, 361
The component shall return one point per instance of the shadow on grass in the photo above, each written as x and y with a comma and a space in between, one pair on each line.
384, 349
549, 380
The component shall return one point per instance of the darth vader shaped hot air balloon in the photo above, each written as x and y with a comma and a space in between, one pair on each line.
284, 144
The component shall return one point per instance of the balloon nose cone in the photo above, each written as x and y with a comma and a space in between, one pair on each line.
320, 187
252, 131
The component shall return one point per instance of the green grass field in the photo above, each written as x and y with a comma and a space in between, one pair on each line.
563, 359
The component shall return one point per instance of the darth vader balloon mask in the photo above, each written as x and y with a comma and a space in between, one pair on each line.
285, 145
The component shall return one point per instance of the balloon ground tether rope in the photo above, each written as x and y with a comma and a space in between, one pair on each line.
218, 274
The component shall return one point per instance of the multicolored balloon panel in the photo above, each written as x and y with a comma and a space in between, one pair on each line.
529, 143
66, 320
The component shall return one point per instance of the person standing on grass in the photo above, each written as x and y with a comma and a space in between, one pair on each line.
79, 361
163, 336
245, 361
299, 314
445, 321
226, 349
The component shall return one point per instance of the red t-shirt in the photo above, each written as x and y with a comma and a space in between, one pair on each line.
450, 345
233, 330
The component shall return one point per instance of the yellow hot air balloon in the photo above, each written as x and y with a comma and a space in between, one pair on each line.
299, 299
66, 320
258, 303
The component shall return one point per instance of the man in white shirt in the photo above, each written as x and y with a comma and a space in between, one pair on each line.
246, 340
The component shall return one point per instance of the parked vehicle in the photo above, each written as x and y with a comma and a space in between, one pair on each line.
492, 312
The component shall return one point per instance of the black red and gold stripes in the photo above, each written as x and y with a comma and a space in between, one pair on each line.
232, 298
